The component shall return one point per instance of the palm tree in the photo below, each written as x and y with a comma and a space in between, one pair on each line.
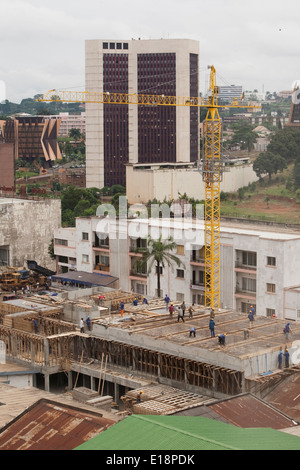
158, 251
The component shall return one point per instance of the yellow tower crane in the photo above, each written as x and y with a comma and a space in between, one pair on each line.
212, 165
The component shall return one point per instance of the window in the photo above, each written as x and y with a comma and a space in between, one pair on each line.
248, 284
180, 249
270, 312
160, 269
125, 45
271, 288
271, 261
249, 258
59, 241
180, 273
85, 236
105, 45
85, 258
104, 260
179, 297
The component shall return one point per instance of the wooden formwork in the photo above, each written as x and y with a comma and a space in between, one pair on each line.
162, 400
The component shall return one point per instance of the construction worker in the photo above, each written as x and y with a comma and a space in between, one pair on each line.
35, 325
191, 310
180, 315
212, 328
88, 323
122, 308
135, 301
280, 357
251, 318
183, 306
81, 325
193, 331
287, 330
139, 397
222, 339
171, 309
252, 310
145, 301
167, 300
287, 358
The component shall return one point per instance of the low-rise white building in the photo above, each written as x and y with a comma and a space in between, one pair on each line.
259, 263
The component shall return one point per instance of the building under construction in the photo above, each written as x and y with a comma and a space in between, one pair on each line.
144, 349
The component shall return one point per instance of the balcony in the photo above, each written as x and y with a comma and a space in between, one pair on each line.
100, 246
200, 286
101, 267
240, 267
135, 273
239, 292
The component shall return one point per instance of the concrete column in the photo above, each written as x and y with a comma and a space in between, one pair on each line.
46, 351
116, 392
93, 383
70, 381
47, 382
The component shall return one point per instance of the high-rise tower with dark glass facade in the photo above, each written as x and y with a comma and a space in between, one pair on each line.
120, 134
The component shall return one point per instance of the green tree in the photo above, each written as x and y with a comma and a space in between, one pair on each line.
244, 136
296, 175
159, 252
286, 143
75, 134
51, 250
268, 163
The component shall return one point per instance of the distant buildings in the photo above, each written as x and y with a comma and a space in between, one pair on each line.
7, 165
33, 137
228, 93
120, 134
69, 121
259, 264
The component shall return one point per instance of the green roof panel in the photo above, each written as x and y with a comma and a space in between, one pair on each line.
151, 432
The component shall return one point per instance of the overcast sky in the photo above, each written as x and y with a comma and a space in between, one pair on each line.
254, 44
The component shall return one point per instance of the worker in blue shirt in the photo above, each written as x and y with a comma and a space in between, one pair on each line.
193, 331
287, 358
212, 328
222, 339
280, 358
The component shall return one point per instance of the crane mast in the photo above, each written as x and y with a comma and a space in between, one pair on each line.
212, 165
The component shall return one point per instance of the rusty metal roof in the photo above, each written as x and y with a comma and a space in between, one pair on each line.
50, 425
247, 411
286, 396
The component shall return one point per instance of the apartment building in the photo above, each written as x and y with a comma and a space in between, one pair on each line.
69, 121
121, 134
259, 265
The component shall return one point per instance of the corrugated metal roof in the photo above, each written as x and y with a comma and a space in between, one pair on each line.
51, 425
139, 432
247, 411
88, 279
286, 396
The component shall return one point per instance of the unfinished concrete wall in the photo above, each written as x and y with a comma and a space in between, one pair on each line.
27, 227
